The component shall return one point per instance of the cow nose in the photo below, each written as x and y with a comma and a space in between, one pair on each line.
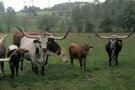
112, 47
45, 49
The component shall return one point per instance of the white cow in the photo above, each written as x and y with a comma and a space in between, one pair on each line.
37, 52
37, 47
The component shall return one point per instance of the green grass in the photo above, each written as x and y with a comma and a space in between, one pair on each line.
59, 75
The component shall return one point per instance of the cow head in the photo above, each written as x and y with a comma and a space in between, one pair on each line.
62, 56
114, 41
85, 49
37, 45
55, 48
20, 53
43, 39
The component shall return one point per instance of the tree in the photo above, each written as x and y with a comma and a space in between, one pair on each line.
88, 26
31, 11
46, 22
9, 18
77, 18
2, 8
128, 15
105, 25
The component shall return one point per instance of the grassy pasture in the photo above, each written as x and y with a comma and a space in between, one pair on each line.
59, 75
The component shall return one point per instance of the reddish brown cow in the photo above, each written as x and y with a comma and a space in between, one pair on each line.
79, 52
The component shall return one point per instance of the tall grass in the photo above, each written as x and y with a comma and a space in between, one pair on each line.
59, 75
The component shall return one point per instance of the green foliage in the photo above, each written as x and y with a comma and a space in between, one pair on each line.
128, 15
2, 8
77, 18
88, 26
31, 11
105, 25
46, 22
9, 18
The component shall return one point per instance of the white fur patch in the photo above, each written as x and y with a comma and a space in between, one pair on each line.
12, 47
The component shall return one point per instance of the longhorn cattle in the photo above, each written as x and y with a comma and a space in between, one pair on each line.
52, 45
38, 53
114, 46
79, 52
15, 59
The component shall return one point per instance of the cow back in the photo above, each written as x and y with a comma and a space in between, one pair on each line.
18, 36
74, 50
3, 49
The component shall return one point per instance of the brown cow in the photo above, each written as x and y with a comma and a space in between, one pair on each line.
2, 52
79, 52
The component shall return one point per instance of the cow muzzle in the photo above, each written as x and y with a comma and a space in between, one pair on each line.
37, 50
44, 49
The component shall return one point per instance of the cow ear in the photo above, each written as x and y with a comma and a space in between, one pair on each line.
26, 51
35, 41
120, 41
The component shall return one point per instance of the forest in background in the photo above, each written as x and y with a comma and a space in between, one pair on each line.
108, 16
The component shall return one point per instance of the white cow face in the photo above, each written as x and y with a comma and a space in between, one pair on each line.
43, 42
62, 55
37, 45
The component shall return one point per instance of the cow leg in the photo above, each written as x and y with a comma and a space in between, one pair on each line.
33, 69
84, 62
12, 69
116, 59
46, 63
17, 67
21, 65
43, 68
71, 60
110, 57
80, 60
2, 68
36, 69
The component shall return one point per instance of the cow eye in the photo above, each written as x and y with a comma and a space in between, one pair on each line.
35, 41
39, 42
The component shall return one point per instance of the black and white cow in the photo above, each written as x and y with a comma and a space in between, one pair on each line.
15, 59
113, 46
37, 47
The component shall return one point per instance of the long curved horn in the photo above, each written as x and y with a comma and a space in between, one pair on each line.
1, 39
5, 60
103, 37
28, 36
61, 38
8, 59
123, 37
